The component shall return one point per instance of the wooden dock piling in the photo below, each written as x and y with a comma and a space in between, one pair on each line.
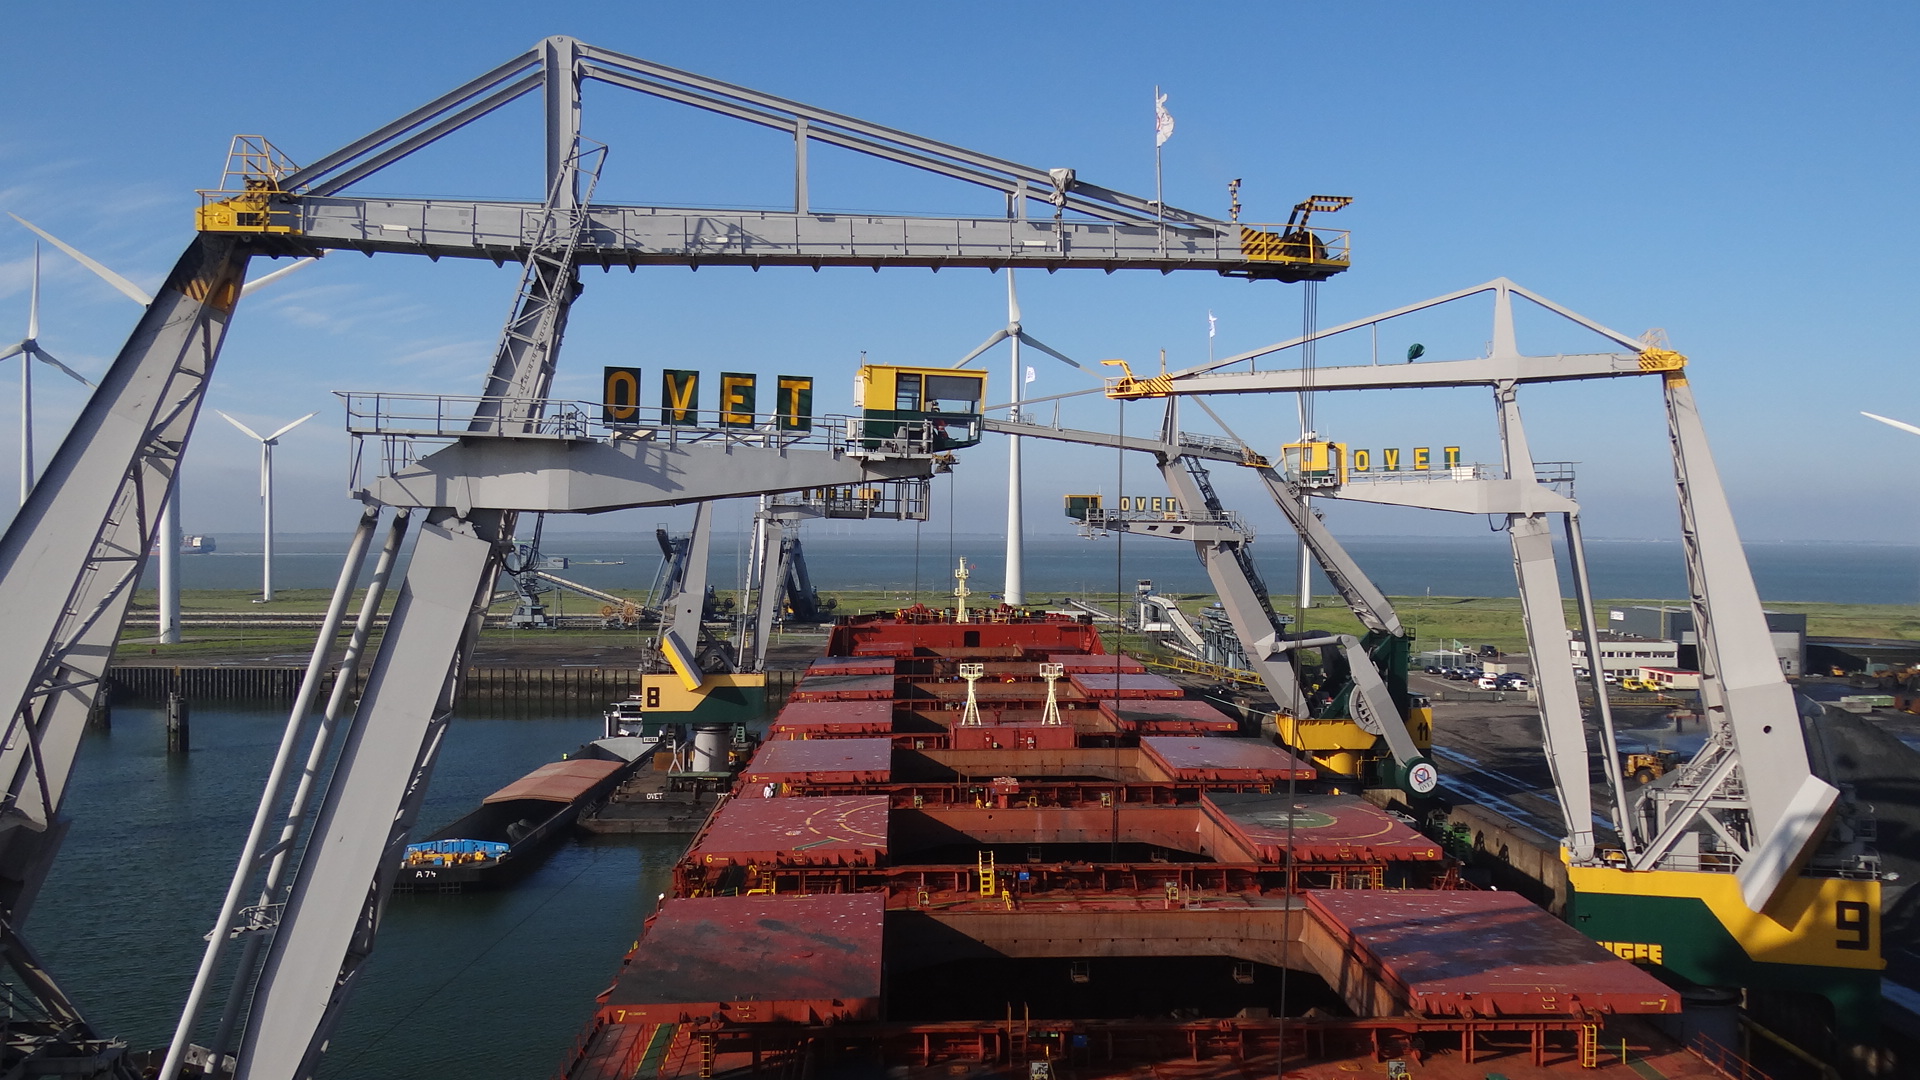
176, 723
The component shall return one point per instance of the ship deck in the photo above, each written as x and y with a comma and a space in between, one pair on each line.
1132, 891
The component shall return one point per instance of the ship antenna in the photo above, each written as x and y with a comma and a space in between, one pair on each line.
960, 592
970, 716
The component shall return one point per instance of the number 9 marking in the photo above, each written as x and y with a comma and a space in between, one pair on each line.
1850, 917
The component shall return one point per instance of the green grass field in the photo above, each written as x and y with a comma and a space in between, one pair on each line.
1436, 621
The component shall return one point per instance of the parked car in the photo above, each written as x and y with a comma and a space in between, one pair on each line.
1489, 682
1517, 682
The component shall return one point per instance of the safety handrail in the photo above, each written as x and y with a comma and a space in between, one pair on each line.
451, 416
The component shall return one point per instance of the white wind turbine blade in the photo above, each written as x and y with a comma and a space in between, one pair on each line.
1055, 353
8, 352
133, 292
250, 432
1891, 423
262, 282
291, 426
46, 357
997, 338
33, 298
1013, 303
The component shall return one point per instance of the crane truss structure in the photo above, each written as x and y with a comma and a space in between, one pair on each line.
1749, 801
301, 210
307, 898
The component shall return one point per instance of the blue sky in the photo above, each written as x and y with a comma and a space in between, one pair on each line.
1740, 175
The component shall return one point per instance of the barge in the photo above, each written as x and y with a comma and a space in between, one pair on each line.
988, 848
513, 827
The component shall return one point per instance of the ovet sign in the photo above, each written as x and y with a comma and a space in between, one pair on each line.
1391, 459
680, 399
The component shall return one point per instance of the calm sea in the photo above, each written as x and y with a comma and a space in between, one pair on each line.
897, 559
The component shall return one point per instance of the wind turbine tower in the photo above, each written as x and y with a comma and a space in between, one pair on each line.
267, 443
29, 349
1015, 591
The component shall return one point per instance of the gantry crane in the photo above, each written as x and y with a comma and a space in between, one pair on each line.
1370, 707
1733, 867
71, 556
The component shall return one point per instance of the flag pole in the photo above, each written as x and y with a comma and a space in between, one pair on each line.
1159, 202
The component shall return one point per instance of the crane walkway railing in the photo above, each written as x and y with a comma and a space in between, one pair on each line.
1544, 472
1220, 444
410, 425
1100, 518
1188, 666
635, 235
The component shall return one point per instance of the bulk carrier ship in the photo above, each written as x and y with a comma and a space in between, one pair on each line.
983, 846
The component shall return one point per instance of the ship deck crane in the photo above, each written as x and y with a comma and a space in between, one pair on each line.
69, 559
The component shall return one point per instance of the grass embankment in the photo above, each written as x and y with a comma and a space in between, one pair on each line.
1435, 621
1438, 621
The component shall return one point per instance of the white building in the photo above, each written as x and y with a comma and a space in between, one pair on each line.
1787, 628
1625, 655
1670, 678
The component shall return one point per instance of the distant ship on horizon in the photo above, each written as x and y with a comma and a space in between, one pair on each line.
191, 544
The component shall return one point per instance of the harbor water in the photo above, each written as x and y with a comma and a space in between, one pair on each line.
498, 983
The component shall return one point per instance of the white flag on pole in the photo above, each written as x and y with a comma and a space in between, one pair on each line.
1162, 121
1211, 325
1032, 374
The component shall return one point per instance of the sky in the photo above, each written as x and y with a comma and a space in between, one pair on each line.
1737, 174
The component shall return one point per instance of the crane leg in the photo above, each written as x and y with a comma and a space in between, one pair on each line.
386, 759
1562, 726
71, 556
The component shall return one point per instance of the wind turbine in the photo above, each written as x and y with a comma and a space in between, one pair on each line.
170, 513
1891, 423
29, 349
267, 443
1015, 590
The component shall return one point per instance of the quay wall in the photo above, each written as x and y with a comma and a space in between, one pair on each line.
1517, 857
493, 685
